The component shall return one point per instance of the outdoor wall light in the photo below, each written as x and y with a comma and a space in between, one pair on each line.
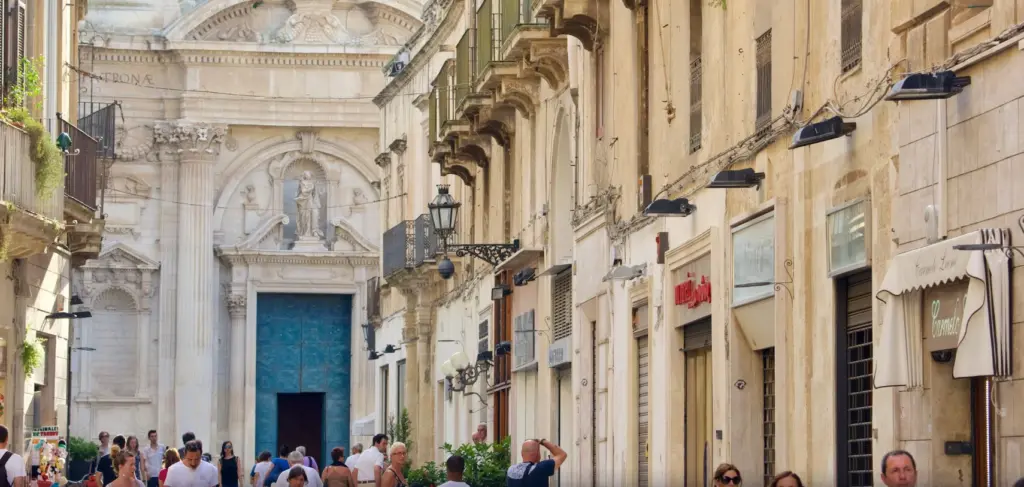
64, 315
814, 133
740, 178
445, 268
928, 86
460, 373
665, 207
499, 292
625, 273
444, 218
369, 336
75, 300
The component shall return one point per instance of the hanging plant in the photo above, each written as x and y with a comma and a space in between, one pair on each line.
31, 355
44, 153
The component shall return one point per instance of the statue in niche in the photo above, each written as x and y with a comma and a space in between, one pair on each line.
307, 204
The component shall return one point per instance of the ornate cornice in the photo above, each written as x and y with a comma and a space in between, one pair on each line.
422, 57
193, 53
256, 257
188, 138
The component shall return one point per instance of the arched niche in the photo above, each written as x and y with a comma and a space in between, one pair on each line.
559, 193
330, 155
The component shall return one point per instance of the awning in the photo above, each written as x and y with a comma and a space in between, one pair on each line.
984, 341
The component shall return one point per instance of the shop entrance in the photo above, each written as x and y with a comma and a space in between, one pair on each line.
698, 415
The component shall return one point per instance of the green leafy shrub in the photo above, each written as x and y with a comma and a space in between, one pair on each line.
486, 465
44, 153
82, 449
31, 355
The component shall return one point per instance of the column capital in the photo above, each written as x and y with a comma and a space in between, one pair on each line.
187, 139
236, 305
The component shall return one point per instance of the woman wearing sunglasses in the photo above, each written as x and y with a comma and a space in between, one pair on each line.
727, 475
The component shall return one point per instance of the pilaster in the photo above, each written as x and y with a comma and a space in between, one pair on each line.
236, 303
197, 146
168, 279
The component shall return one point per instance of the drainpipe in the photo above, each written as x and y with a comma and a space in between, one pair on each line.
942, 161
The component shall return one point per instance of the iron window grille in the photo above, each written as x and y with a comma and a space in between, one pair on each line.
764, 82
854, 381
768, 413
696, 103
851, 35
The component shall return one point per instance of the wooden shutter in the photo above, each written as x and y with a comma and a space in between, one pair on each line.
14, 50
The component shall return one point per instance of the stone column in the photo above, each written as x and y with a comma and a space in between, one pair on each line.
167, 151
194, 385
424, 434
236, 415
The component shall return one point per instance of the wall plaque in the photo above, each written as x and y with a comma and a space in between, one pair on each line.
753, 247
943, 314
692, 290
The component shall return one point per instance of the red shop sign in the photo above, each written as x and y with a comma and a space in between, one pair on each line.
692, 293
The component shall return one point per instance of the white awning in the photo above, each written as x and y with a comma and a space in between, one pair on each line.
984, 342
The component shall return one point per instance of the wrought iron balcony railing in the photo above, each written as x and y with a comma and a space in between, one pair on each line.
516, 13
81, 165
465, 66
408, 245
488, 36
100, 122
18, 176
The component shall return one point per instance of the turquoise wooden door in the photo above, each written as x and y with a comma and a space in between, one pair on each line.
303, 345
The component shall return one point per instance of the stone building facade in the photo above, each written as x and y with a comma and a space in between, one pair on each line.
776, 327
49, 221
243, 210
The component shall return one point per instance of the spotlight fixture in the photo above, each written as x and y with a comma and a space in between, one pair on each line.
665, 207
499, 292
390, 349
76, 301
625, 273
814, 133
374, 355
84, 349
64, 315
928, 86
740, 178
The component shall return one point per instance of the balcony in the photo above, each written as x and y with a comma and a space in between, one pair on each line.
82, 169
582, 19
31, 216
407, 246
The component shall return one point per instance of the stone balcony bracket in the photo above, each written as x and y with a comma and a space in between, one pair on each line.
521, 93
23, 234
519, 41
546, 8
398, 145
498, 122
439, 150
548, 58
383, 159
85, 240
473, 104
579, 19
474, 148
460, 168
453, 129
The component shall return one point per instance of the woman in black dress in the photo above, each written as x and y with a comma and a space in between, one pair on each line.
229, 466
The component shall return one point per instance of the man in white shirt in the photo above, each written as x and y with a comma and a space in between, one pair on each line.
354, 457
371, 462
455, 466
192, 471
295, 459
13, 464
152, 460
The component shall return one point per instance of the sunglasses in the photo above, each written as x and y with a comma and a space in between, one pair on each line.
731, 480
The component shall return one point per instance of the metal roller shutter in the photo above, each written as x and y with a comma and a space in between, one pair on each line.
561, 305
643, 368
697, 336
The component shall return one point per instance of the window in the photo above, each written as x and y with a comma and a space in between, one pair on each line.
852, 14
525, 340
13, 41
764, 82
385, 387
401, 388
643, 84
768, 412
599, 82
854, 381
696, 75
484, 343
502, 365
561, 305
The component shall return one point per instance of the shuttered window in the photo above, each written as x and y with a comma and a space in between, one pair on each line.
764, 82
642, 409
15, 17
768, 412
561, 305
854, 381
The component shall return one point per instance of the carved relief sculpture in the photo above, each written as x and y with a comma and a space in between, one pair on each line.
186, 138
251, 207
359, 202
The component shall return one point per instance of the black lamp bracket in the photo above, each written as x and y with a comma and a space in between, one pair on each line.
493, 254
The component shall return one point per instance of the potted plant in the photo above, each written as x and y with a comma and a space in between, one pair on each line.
429, 475
82, 453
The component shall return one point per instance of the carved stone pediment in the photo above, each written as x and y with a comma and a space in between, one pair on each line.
349, 239
122, 256
120, 267
268, 235
308, 22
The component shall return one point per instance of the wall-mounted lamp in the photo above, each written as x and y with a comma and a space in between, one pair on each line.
815, 133
524, 276
928, 86
369, 337
64, 315
740, 178
460, 373
390, 349
665, 207
499, 292
374, 355
625, 273
83, 349
76, 301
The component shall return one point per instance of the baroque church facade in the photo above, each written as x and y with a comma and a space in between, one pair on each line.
242, 219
